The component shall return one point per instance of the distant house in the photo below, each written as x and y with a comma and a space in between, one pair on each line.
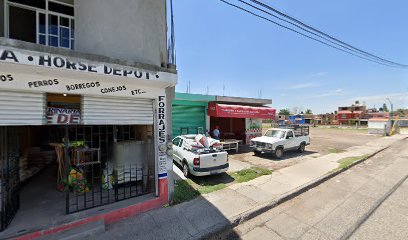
325, 119
371, 115
296, 119
301, 119
354, 114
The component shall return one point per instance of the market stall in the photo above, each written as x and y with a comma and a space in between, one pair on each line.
238, 122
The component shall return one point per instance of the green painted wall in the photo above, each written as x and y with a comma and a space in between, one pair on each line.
190, 111
191, 117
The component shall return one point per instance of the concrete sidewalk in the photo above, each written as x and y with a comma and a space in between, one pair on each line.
205, 216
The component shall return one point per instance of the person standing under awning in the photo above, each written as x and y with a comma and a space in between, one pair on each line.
216, 133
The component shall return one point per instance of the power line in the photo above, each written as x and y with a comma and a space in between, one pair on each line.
324, 34
319, 33
310, 37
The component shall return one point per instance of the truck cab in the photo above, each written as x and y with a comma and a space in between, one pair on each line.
279, 140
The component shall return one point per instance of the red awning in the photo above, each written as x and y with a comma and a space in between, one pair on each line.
238, 111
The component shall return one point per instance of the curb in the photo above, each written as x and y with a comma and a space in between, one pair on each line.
223, 231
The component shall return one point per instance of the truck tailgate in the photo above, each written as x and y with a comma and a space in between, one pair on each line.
213, 159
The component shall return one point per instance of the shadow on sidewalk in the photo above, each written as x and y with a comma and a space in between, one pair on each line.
287, 155
196, 219
212, 179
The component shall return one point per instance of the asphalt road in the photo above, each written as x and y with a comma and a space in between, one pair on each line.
369, 201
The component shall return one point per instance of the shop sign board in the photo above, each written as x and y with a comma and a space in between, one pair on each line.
253, 129
238, 111
63, 116
162, 136
38, 83
23, 57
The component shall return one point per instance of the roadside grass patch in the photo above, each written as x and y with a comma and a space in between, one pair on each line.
346, 162
203, 189
249, 174
183, 192
186, 190
336, 150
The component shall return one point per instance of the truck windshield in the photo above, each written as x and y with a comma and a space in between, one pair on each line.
275, 133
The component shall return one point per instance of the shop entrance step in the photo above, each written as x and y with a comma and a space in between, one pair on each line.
86, 231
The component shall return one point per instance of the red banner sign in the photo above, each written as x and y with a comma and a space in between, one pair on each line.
238, 111
63, 116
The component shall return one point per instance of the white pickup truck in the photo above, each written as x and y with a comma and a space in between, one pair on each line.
279, 140
199, 161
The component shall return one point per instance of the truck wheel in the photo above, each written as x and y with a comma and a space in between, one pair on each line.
302, 147
279, 153
186, 171
257, 153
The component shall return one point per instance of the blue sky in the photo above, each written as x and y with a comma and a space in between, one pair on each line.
219, 45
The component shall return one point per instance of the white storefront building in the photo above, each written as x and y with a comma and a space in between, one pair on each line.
84, 104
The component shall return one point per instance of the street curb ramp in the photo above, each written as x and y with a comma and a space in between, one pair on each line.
225, 231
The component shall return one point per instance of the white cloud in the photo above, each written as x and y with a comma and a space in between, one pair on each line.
336, 92
302, 86
318, 74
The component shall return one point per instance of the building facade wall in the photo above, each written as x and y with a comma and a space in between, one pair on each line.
1, 18
133, 45
132, 30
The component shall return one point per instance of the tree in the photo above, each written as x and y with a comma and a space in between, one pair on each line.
284, 112
385, 108
309, 111
400, 112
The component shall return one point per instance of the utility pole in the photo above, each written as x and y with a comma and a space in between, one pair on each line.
392, 111
391, 115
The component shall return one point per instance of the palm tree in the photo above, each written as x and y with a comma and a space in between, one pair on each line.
284, 112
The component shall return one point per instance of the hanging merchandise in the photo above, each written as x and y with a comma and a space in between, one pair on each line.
77, 181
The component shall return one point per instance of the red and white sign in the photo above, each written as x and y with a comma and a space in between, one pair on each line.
238, 111
63, 116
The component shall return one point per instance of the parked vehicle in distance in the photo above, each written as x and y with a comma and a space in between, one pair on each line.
279, 140
198, 160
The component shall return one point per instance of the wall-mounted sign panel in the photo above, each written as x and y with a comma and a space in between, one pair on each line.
161, 116
23, 57
238, 111
63, 116
37, 82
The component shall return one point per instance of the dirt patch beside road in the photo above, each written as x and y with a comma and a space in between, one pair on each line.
323, 141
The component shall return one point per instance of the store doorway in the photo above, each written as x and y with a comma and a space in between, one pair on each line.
9, 176
230, 128
64, 167
29, 189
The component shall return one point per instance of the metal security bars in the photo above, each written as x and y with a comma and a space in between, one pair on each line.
9, 178
107, 164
